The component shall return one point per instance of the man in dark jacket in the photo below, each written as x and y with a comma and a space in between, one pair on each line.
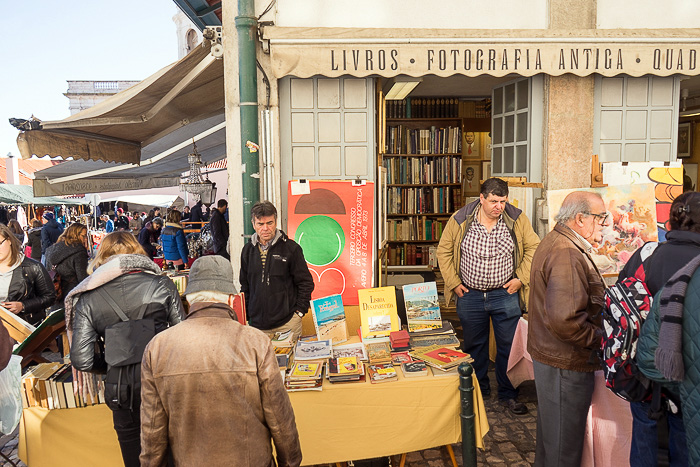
196, 212
564, 330
34, 239
219, 229
274, 276
49, 233
148, 237
121, 222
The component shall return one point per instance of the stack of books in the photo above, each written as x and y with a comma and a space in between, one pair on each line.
305, 376
285, 356
399, 340
344, 369
399, 358
312, 350
440, 357
381, 373
378, 353
444, 336
414, 369
50, 385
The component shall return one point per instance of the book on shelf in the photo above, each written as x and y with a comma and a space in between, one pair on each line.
416, 170
419, 227
329, 318
423, 200
50, 385
414, 369
422, 306
381, 373
350, 350
442, 107
378, 311
312, 350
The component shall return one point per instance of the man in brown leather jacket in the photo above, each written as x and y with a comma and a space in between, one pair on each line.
211, 388
566, 296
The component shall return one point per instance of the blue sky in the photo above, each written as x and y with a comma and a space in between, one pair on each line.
47, 42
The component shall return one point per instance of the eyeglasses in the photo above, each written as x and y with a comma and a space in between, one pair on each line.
3, 241
602, 217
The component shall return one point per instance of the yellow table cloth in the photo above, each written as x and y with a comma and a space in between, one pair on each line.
342, 422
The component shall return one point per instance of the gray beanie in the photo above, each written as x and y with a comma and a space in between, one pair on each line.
212, 273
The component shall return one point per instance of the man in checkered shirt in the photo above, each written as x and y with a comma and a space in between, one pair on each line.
484, 255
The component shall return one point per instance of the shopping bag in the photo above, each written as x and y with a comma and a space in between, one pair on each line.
11, 395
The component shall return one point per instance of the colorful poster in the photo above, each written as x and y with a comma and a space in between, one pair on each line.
333, 221
668, 177
633, 212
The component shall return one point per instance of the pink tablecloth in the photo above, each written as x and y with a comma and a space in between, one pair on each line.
609, 427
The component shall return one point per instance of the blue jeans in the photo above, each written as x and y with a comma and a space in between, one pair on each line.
474, 310
645, 438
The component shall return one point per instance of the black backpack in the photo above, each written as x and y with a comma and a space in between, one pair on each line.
125, 343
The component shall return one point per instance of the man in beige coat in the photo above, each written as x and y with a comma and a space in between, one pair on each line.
211, 388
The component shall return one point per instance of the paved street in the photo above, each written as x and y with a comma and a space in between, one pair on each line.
509, 442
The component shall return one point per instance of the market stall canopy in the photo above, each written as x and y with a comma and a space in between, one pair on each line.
146, 202
331, 52
23, 194
162, 163
120, 127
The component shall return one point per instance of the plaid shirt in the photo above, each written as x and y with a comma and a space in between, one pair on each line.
486, 258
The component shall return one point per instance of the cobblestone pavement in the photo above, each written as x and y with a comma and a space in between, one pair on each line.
510, 441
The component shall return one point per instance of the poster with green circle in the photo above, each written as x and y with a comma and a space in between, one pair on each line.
321, 238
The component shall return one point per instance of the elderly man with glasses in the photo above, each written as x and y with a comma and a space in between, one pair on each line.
566, 296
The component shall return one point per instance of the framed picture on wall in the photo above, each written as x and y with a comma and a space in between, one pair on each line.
684, 140
471, 144
471, 174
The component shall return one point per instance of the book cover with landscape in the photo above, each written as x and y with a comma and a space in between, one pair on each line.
378, 312
329, 318
422, 306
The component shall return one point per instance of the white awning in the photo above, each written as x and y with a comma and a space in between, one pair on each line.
120, 127
146, 202
305, 52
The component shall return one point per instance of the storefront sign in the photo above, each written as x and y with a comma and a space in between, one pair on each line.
100, 185
555, 57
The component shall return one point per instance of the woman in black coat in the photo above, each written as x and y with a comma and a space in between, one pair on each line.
34, 239
69, 256
25, 286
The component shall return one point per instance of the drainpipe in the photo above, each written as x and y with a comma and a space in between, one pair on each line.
247, 27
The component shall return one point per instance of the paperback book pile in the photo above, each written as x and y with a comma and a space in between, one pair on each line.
444, 336
381, 373
399, 358
350, 350
378, 353
305, 376
283, 339
414, 369
342, 369
285, 356
312, 350
50, 385
399, 340
442, 358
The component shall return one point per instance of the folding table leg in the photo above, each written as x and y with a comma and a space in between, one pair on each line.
451, 452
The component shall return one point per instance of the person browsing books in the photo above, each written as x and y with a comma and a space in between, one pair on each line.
484, 255
274, 276
565, 328
210, 377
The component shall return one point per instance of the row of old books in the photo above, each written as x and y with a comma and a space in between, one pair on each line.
413, 255
421, 170
50, 385
425, 200
443, 107
416, 228
401, 139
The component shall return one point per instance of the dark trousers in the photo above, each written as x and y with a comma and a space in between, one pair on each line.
645, 438
127, 424
475, 309
563, 400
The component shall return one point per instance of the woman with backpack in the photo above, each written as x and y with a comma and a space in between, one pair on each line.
121, 305
25, 286
659, 265
68, 257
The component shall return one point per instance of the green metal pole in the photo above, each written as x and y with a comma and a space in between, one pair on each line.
247, 28
466, 390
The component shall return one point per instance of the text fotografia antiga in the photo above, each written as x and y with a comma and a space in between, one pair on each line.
514, 59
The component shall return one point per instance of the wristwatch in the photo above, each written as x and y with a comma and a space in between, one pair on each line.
299, 314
